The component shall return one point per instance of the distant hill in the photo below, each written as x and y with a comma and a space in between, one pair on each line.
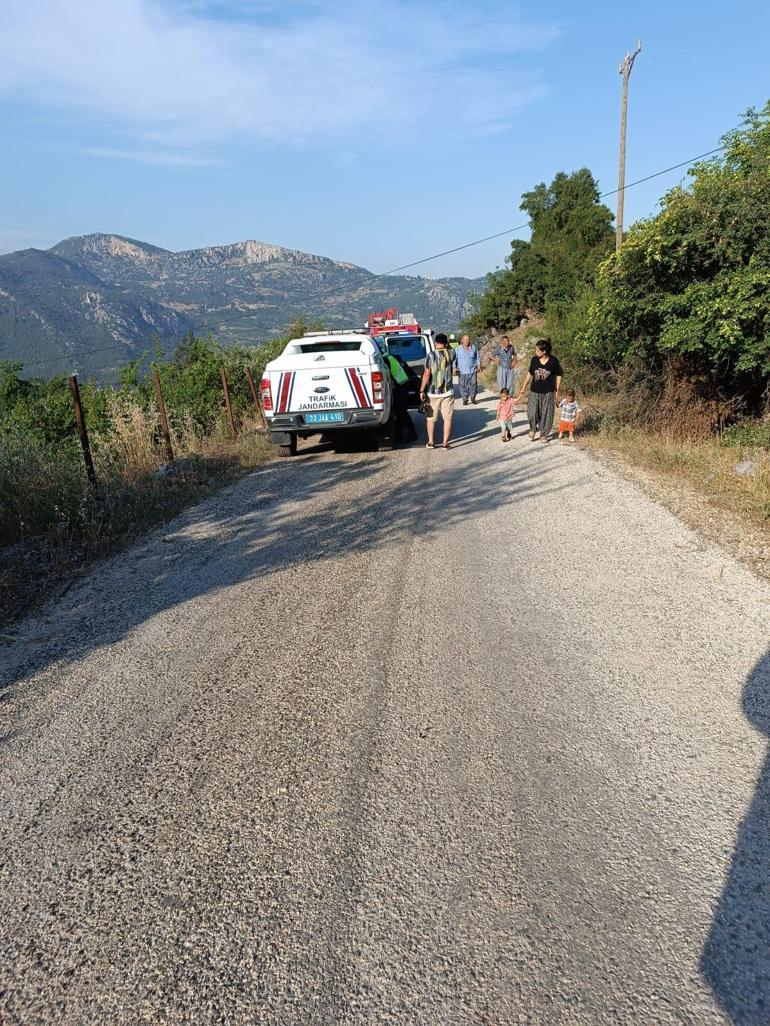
53, 311
96, 292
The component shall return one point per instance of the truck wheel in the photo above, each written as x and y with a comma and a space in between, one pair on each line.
290, 449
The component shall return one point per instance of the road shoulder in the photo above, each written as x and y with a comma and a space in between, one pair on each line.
745, 542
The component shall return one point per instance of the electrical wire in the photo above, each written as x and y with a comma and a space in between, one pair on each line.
478, 242
74, 356
368, 278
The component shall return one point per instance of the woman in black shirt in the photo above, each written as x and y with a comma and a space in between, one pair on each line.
544, 378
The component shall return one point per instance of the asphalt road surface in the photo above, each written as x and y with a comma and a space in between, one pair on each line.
425, 737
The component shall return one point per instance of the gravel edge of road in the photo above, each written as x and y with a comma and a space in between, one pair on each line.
60, 577
744, 542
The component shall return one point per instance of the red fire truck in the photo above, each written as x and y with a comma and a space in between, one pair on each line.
401, 335
391, 322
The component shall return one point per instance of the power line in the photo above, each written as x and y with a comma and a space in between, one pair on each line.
74, 356
674, 167
478, 242
369, 278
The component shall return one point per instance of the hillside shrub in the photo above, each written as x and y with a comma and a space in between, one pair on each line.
690, 287
748, 434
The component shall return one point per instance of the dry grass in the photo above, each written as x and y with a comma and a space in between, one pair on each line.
672, 443
703, 464
51, 522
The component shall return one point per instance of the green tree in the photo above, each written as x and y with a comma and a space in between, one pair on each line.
42, 408
693, 283
571, 233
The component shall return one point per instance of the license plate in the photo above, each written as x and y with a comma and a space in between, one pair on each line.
330, 417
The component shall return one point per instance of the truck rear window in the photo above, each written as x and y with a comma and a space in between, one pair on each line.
407, 347
330, 347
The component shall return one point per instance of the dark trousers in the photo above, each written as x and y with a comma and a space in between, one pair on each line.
540, 411
403, 427
468, 385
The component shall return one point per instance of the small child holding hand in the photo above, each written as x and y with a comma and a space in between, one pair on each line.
570, 415
505, 411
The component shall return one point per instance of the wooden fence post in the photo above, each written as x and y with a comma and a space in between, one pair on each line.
82, 431
228, 405
163, 417
255, 397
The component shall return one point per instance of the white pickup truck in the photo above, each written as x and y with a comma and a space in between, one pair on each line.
327, 382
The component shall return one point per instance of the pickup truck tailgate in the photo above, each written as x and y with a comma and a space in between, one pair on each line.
329, 384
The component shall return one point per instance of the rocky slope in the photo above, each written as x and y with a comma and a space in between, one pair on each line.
56, 316
93, 290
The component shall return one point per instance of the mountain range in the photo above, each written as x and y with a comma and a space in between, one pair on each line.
93, 302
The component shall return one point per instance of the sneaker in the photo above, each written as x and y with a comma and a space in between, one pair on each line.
473, 400
465, 402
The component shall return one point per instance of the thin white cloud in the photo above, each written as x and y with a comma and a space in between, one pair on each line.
171, 75
163, 158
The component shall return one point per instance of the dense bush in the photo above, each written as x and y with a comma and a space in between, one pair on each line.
683, 310
41, 409
191, 382
690, 288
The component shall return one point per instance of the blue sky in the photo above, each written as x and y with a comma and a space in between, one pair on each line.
376, 131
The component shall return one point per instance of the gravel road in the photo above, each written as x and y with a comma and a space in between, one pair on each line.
425, 737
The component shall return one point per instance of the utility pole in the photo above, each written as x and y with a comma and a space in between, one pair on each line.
624, 70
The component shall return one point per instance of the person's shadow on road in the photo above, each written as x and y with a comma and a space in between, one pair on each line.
736, 957
471, 423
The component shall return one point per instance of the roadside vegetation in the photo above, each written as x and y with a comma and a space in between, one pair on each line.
53, 522
667, 341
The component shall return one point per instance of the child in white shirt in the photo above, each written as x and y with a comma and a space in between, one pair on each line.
570, 415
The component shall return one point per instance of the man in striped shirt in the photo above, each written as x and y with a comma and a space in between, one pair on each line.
438, 388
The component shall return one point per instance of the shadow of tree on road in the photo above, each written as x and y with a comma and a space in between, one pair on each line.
288, 514
736, 957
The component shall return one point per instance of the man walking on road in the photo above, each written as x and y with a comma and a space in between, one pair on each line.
467, 356
437, 387
505, 358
